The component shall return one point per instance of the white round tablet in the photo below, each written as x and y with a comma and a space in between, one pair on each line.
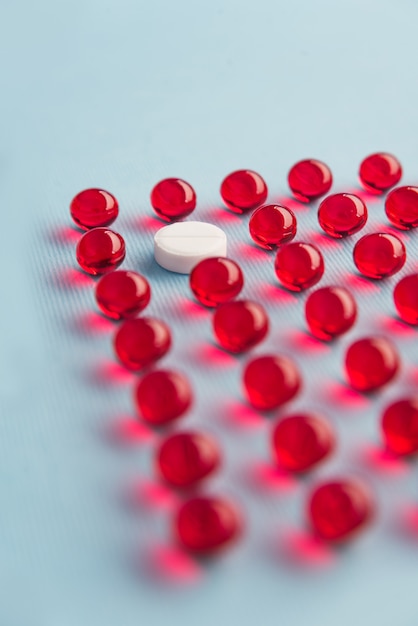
180, 246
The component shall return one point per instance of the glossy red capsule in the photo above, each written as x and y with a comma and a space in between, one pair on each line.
401, 207
243, 190
337, 510
100, 250
92, 208
272, 225
342, 214
185, 459
371, 362
405, 296
400, 426
379, 255
172, 199
270, 381
142, 341
122, 294
240, 325
206, 524
162, 396
379, 172
299, 265
301, 441
216, 280
309, 179
330, 312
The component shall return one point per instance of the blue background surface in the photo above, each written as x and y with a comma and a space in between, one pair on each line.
119, 95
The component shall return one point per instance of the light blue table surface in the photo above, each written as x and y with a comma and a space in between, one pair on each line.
120, 94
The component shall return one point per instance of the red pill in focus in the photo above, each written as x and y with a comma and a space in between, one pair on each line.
162, 396
330, 312
142, 341
379, 172
206, 524
337, 510
243, 190
272, 225
216, 280
100, 250
172, 199
270, 381
92, 208
400, 426
240, 325
301, 441
185, 459
342, 214
371, 362
309, 179
122, 294
401, 207
379, 255
299, 265
405, 296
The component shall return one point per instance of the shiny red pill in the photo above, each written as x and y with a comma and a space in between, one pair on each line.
301, 441
309, 179
401, 207
338, 510
243, 190
379, 172
92, 208
379, 255
405, 296
206, 524
299, 265
342, 214
330, 312
371, 362
270, 381
272, 225
173, 198
400, 426
185, 459
216, 280
122, 294
240, 325
142, 341
100, 250
162, 396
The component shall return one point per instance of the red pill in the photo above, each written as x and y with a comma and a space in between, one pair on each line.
100, 250
309, 179
342, 214
371, 362
379, 172
122, 294
401, 207
172, 199
299, 265
141, 341
243, 190
184, 459
405, 296
240, 325
94, 207
206, 524
330, 312
379, 255
270, 381
272, 225
400, 426
301, 441
337, 510
216, 280
162, 396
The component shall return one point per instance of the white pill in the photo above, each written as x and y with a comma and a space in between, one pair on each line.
179, 246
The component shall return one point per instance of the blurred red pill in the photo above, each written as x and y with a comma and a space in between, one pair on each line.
184, 459
379, 172
216, 280
92, 208
270, 381
400, 426
272, 225
371, 362
379, 255
299, 265
122, 294
172, 199
243, 190
240, 325
142, 341
405, 296
330, 312
309, 179
162, 396
342, 214
401, 207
